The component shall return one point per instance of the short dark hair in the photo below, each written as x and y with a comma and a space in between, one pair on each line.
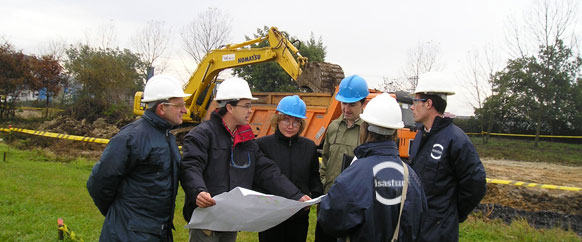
437, 102
222, 111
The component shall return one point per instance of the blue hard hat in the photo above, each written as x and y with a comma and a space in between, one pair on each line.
352, 89
292, 106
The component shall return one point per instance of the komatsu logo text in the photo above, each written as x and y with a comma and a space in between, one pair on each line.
249, 58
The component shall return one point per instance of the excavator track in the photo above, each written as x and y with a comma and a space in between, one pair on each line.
321, 77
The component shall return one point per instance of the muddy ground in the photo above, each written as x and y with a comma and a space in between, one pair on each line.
541, 207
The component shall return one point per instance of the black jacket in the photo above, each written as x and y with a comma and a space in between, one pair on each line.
135, 182
210, 163
297, 158
364, 201
452, 174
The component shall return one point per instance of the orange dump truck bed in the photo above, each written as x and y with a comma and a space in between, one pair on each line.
322, 108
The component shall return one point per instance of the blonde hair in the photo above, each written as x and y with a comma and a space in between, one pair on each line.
280, 116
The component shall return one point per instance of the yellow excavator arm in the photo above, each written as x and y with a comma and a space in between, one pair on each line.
203, 80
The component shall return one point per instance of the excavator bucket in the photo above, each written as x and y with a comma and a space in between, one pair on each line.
320, 77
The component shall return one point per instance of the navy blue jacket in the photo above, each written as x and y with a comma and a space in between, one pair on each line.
364, 201
210, 163
135, 182
453, 177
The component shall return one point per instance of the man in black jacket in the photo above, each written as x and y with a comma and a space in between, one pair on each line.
446, 161
135, 182
221, 154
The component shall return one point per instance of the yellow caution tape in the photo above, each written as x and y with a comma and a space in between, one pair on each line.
105, 141
532, 184
56, 135
60, 136
63, 227
528, 135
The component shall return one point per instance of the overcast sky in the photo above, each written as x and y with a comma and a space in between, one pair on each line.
368, 38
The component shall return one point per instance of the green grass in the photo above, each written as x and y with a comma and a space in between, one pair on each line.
477, 228
37, 188
524, 150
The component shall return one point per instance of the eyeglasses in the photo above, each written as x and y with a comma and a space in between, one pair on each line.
233, 164
178, 105
287, 121
416, 100
247, 106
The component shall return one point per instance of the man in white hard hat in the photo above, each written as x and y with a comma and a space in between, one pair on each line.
378, 197
221, 154
134, 184
446, 161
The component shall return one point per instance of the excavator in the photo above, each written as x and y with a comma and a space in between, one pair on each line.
320, 77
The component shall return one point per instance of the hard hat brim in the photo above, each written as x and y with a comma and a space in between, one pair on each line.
144, 100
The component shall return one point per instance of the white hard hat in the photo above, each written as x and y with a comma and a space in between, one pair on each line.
234, 89
383, 111
434, 83
162, 87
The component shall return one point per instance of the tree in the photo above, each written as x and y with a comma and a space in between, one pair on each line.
48, 75
479, 72
538, 93
546, 24
270, 77
550, 25
108, 78
151, 43
15, 77
208, 31
392, 84
423, 58
105, 37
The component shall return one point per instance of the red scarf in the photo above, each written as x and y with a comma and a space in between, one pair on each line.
242, 133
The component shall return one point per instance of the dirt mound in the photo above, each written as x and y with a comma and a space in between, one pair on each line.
66, 125
542, 208
100, 128
534, 199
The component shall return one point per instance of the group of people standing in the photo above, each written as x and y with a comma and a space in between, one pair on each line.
371, 194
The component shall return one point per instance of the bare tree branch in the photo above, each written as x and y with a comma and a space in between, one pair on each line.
105, 37
423, 58
548, 22
151, 42
209, 30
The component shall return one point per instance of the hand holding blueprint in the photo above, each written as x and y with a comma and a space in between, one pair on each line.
246, 210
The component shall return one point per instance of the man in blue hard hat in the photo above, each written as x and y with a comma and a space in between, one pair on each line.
342, 135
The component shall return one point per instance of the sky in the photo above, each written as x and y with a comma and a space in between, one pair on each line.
368, 38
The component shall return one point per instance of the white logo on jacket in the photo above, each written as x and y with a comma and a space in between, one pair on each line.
378, 183
437, 151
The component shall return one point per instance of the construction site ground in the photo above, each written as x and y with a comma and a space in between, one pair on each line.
541, 207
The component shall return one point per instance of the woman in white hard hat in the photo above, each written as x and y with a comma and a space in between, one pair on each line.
297, 158
366, 202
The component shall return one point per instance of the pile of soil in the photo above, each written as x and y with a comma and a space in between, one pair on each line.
66, 149
540, 207
66, 125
